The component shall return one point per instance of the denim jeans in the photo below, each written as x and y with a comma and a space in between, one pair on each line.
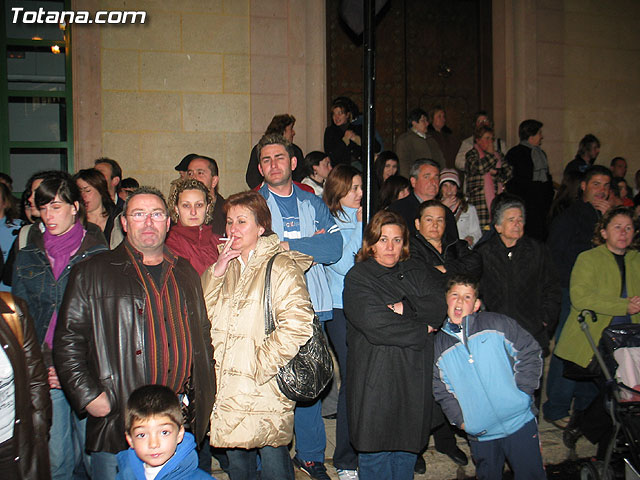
276, 463
387, 465
311, 438
104, 465
66, 438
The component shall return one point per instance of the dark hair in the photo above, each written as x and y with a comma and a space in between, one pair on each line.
152, 401
9, 203
414, 171
596, 170
313, 159
568, 193
129, 182
615, 159
432, 112
275, 139
381, 162
28, 190
415, 115
189, 184
144, 190
606, 219
256, 204
95, 179
337, 187
61, 184
213, 165
6, 178
347, 105
429, 204
464, 203
373, 232
585, 144
463, 279
116, 171
279, 123
529, 128
391, 188
480, 130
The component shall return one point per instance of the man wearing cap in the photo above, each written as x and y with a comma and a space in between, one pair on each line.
465, 214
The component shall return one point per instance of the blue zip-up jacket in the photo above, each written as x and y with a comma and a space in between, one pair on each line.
487, 381
182, 466
351, 230
325, 248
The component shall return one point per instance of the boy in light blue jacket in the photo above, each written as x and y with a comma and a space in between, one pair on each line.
486, 368
160, 447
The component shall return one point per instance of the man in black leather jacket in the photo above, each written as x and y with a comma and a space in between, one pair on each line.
133, 316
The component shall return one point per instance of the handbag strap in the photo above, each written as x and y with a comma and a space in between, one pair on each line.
13, 319
269, 325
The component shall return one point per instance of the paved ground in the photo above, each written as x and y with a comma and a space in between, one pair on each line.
440, 467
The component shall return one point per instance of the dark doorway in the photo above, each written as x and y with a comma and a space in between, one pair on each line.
428, 52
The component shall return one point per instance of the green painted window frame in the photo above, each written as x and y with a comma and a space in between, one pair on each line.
5, 94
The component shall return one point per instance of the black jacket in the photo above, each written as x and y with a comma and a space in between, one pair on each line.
537, 196
521, 283
32, 401
99, 342
571, 233
407, 208
390, 362
456, 256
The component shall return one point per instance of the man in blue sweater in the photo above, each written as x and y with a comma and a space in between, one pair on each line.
303, 223
486, 368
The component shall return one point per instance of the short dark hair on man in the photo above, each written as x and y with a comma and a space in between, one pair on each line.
213, 165
152, 401
529, 128
275, 139
116, 171
415, 168
463, 279
596, 170
615, 160
129, 182
279, 123
415, 115
145, 190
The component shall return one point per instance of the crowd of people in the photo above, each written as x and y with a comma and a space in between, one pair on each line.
134, 332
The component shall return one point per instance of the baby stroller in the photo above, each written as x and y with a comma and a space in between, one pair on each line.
619, 352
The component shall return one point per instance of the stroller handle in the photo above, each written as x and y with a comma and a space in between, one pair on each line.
585, 312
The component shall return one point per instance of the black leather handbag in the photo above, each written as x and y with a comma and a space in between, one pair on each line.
311, 370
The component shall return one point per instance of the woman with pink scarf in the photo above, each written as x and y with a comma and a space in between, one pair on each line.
41, 273
487, 173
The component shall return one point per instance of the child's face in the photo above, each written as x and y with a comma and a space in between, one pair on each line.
155, 439
462, 300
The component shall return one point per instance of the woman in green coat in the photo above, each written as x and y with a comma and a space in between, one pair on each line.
605, 279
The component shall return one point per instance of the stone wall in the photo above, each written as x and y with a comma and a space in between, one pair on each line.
202, 76
574, 65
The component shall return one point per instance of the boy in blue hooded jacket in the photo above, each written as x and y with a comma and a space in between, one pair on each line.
486, 368
160, 447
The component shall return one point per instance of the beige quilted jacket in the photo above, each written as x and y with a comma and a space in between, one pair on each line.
250, 411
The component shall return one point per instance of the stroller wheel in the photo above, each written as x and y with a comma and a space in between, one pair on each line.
594, 470
588, 471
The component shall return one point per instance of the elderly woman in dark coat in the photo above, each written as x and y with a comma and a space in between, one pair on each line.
392, 306
519, 278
